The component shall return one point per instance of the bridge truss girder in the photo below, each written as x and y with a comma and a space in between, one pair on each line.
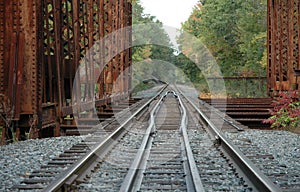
41, 45
283, 45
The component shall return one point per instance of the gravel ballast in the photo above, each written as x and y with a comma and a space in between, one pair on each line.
285, 148
19, 159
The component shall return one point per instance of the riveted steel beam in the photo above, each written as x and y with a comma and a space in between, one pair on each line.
283, 45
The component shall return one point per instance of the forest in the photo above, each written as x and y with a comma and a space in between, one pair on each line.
233, 31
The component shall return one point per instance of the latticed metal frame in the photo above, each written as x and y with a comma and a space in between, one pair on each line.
49, 38
71, 28
283, 45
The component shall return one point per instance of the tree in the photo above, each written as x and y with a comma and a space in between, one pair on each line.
147, 39
235, 33
251, 31
151, 32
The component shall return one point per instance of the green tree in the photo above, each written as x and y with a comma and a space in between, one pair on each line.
235, 33
189, 68
151, 32
195, 60
147, 54
251, 31
216, 27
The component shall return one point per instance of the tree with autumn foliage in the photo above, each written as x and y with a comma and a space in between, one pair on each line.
235, 33
151, 50
151, 32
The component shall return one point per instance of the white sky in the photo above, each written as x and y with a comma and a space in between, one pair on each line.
171, 12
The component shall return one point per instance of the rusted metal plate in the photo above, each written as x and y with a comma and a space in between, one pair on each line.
29, 28
42, 44
18, 81
18, 50
11, 72
2, 41
2, 13
49, 114
9, 13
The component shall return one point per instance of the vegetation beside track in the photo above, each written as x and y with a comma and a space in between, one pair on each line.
286, 112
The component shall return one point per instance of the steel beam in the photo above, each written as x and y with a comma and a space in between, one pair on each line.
283, 44
41, 45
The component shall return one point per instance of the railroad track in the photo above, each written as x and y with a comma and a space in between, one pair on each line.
74, 164
239, 171
165, 161
178, 149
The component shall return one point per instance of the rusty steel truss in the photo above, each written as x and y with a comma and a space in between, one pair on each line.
42, 43
283, 45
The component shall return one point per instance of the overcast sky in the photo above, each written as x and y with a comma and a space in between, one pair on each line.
170, 12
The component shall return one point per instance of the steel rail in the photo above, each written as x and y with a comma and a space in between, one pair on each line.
192, 168
130, 184
82, 165
254, 176
131, 177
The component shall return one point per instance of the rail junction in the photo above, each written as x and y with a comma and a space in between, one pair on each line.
168, 143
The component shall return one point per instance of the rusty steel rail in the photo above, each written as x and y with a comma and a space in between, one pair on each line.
252, 174
132, 180
99, 150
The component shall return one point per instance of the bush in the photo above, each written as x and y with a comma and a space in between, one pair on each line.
286, 112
